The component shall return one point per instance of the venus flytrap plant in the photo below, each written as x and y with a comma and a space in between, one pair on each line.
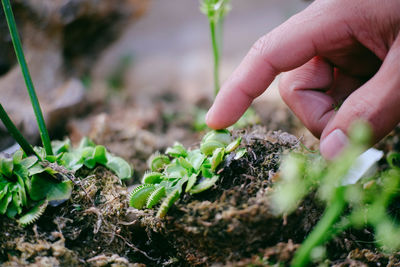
28, 185
180, 171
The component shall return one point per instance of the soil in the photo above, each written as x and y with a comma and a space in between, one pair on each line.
230, 225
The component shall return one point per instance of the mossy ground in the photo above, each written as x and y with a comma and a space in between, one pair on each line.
230, 225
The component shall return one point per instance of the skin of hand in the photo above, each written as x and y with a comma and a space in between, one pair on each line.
333, 52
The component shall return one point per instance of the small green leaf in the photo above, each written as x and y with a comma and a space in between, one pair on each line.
72, 161
60, 192
17, 157
99, 155
177, 150
46, 188
4, 202
138, 197
21, 185
185, 164
17, 203
232, 146
206, 170
196, 159
220, 136
152, 178
29, 161
11, 210
3, 189
88, 157
6, 167
51, 158
240, 153
208, 147
86, 142
204, 184
217, 158
35, 169
119, 166
61, 146
191, 181
175, 170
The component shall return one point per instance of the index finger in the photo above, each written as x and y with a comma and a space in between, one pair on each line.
286, 47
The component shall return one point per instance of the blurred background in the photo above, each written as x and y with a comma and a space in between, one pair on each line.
96, 64
170, 45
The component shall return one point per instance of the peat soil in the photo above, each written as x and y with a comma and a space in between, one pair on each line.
231, 224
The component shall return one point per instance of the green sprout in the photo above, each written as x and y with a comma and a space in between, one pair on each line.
180, 171
366, 202
215, 10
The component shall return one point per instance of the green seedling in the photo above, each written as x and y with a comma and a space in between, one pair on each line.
215, 10
366, 203
182, 171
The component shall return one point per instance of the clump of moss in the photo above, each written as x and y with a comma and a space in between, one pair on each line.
233, 220
89, 224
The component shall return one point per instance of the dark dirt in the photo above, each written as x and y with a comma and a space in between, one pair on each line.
229, 225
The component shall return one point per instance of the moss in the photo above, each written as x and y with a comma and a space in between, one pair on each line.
75, 233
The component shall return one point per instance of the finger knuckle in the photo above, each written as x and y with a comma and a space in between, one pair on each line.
260, 46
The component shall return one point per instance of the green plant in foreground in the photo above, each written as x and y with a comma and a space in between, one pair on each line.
28, 185
366, 202
181, 171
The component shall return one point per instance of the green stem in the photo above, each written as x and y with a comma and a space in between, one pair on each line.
215, 47
321, 231
16, 134
25, 71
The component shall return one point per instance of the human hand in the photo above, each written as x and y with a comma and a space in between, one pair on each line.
337, 52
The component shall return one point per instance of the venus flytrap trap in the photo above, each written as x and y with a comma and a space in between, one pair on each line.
180, 171
366, 201
33, 178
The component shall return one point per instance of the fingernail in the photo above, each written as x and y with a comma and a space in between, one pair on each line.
333, 144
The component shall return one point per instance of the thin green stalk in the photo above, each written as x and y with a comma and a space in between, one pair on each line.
216, 55
16, 134
321, 231
25, 71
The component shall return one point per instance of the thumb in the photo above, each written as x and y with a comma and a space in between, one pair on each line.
377, 102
